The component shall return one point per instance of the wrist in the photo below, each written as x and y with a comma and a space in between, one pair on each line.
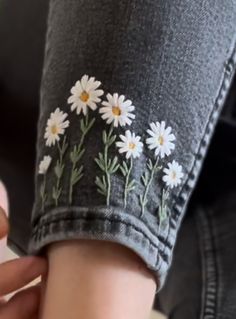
95, 278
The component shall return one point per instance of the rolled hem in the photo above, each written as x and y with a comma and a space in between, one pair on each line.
110, 224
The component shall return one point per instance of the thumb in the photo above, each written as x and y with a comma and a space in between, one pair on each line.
4, 226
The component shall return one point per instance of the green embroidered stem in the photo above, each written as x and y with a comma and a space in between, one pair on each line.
108, 176
162, 211
77, 153
108, 166
127, 182
147, 180
129, 185
43, 193
58, 169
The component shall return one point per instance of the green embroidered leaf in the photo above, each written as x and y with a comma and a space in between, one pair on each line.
104, 181
122, 170
42, 190
100, 164
76, 175
109, 164
56, 192
101, 192
111, 140
45, 197
115, 169
101, 158
104, 137
131, 185
90, 125
73, 154
58, 169
125, 166
110, 131
80, 154
150, 164
77, 178
144, 178
64, 146
114, 166
140, 199
82, 125
101, 184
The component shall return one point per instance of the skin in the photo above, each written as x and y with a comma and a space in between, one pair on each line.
95, 279
89, 279
14, 275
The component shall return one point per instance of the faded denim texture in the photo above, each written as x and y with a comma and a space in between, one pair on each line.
204, 257
175, 61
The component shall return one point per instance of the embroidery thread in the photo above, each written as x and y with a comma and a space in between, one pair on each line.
43, 168
56, 126
85, 95
160, 141
116, 111
132, 147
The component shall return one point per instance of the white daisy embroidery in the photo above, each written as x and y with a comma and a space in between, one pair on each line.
56, 125
85, 94
173, 174
130, 144
161, 139
44, 164
117, 110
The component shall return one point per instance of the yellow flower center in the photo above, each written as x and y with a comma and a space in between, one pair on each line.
84, 96
132, 146
173, 175
54, 129
116, 110
161, 140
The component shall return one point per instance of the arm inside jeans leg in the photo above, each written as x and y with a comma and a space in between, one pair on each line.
95, 279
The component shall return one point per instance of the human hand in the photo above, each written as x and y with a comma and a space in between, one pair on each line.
14, 275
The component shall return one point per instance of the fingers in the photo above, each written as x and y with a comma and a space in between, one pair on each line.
23, 305
15, 274
4, 226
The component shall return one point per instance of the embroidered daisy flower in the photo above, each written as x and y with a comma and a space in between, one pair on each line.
161, 139
118, 110
44, 164
85, 94
56, 125
130, 145
173, 174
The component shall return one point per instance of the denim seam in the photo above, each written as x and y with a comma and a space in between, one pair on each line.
229, 69
209, 265
43, 220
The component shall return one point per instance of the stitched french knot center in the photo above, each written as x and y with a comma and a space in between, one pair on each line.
54, 129
131, 146
116, 110
161, 140
84, 96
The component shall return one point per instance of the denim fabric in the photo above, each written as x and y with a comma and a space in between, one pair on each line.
175, 61
203, 267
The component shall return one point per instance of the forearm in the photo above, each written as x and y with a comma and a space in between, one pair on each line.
97, 279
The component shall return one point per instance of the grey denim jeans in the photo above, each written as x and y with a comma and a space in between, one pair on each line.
175, 61
204, 257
